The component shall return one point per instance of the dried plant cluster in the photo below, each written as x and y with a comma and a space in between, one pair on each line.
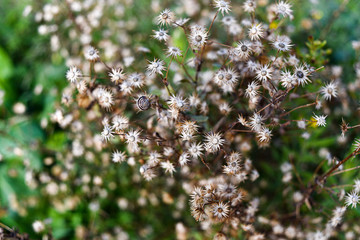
190, 113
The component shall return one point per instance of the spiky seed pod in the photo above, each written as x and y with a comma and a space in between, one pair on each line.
143, 103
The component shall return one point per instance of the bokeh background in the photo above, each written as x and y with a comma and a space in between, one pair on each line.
40, 39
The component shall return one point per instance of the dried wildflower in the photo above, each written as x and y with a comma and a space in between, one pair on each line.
197, 196
301, 124
73, 74
198, 37
282, 43
225, 108
173, 52
213, 142
136, 79
249, 6
38, 226
156, 66
318, 104
117, 75
222, 6
178, 103
234, 156
232, 168
254, 175
252, 90
257, 47
320, 120
226, 76
91, 54
154, 158
188, 129
147, 172
264, 135
292, 60
181, 22
256, 32
357, 186
126, 87
161, 35
168, 167
264, 73
329, 90
284, 8
287, 79
243, 50
133, 138
242, 120
107, 133
194, 100
352, 199
339, 211
118, 156
357, 144
166, 17
256, 122
195, 150
120, 123
220, 210
228, 20
227, 191
184, 159
105, 98
198, 213
81, 86
301, 75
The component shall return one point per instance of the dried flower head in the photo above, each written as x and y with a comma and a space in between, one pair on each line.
156, 67
352, 199
329, 90
213, 142
283, 8
301, 74
173, 52
198, 37
91, 54
161, 35
166, 17
117, 75
249, 6
256, 32
264, 73
118, 156
73, 74
222, 6
282, 43
220, 210
320, 120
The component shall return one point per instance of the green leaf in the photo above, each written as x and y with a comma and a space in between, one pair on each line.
199, 118
7, 147
26, 131
56, 141
6, 190
6, 68
179, 39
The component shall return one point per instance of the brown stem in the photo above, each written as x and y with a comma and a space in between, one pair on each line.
303, 106
198, 69
342, 171
354, 153
202, 160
